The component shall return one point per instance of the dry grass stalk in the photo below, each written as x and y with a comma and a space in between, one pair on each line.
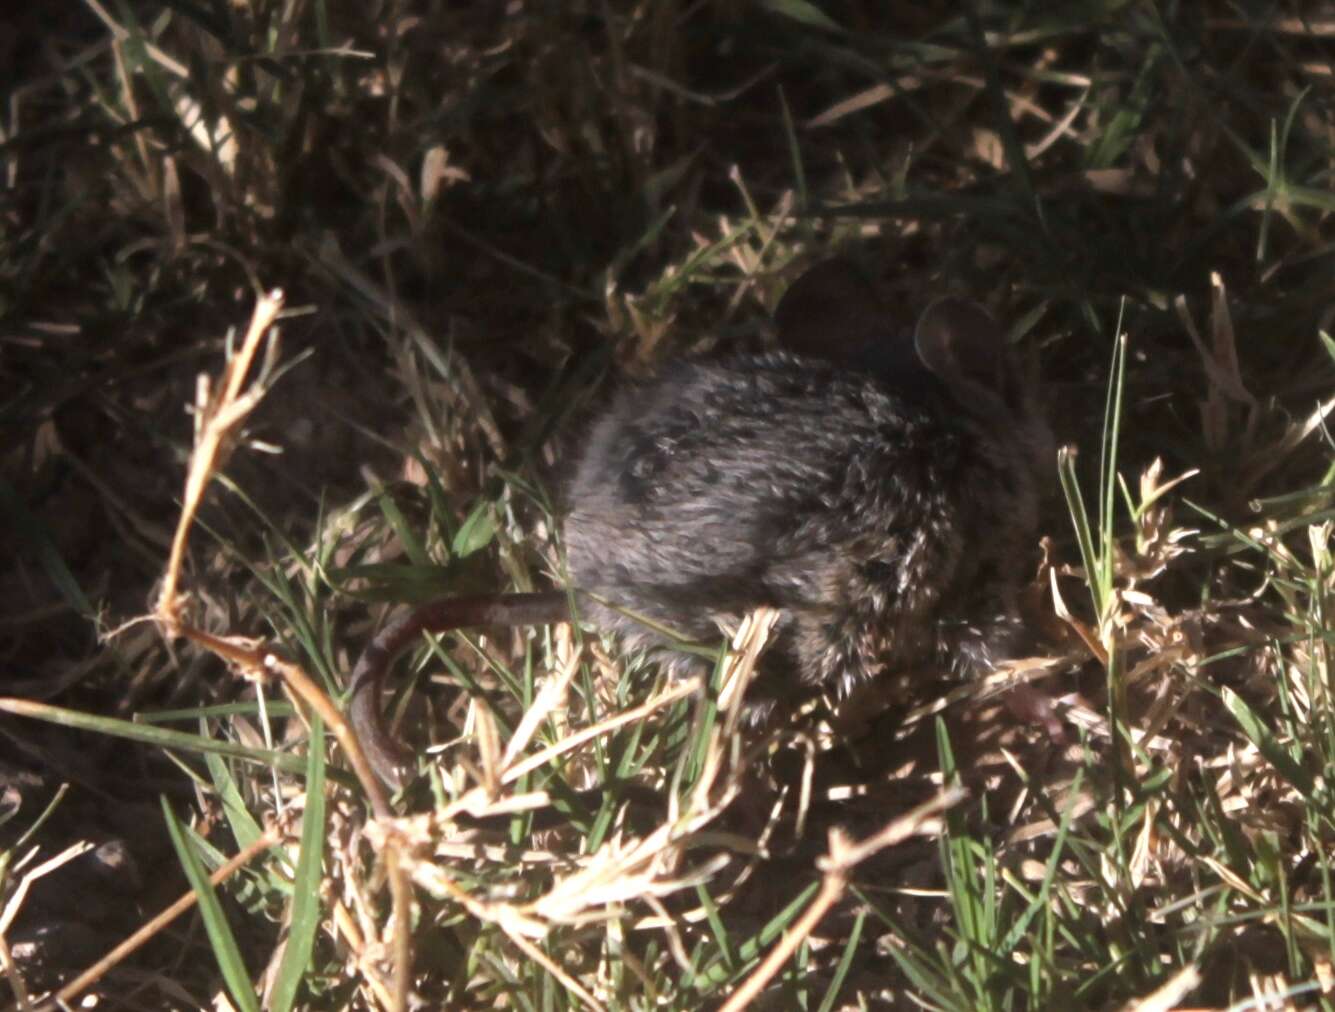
272, 837
220, 408
843, 856
624, 870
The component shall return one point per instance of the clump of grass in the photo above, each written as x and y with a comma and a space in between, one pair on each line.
478, 215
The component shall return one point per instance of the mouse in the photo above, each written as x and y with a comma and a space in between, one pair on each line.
878, 485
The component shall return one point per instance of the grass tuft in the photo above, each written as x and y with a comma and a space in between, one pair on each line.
481, 217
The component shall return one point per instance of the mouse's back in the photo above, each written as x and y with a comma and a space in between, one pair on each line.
869, 504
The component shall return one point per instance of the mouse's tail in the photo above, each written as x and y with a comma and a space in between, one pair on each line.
385, 754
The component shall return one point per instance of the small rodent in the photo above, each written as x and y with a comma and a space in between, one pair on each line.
880, 489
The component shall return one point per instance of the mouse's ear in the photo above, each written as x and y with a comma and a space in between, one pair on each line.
831, 312
958, 340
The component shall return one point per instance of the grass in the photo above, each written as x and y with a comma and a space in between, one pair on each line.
480, 216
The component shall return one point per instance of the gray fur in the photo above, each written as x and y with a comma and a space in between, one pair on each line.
883, 495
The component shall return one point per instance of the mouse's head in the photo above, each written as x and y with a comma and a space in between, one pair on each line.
962, 345
833, 313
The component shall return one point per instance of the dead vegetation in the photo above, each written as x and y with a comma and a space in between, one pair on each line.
479, 215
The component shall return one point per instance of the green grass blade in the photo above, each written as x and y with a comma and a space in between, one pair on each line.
845, 962
245, 830
305, 921
223, 942
1260, 735
148, 735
